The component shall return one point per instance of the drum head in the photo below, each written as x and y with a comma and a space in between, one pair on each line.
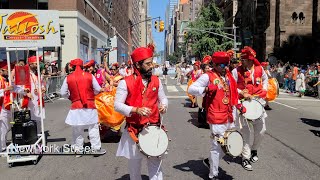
254, 109
153, 141
235, 143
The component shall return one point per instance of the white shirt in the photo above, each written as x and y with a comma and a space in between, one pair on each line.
83, 116
122, 93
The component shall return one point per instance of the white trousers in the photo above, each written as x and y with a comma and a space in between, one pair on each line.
4, 127
154, 168
78, 139
258, 128
216, 153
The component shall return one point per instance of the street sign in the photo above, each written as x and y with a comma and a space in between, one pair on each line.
100, 49
238, 43
235, 49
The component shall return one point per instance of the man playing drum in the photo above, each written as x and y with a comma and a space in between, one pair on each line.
138, 97
221, 95
252, 81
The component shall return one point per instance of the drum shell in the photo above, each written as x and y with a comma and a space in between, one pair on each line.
225, 147
141, 148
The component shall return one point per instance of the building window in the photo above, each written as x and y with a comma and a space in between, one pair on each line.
294, 17
301, 17
43, 4
85, 7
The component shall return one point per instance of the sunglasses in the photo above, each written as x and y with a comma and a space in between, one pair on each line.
222, 65
113, 69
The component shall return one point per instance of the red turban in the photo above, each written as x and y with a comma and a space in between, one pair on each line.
115, 65
33, 59
220, 57
141, 53
76, 62
264, 64
248, 53
206, 59
5, 67
89, 64
197, 63
231, 53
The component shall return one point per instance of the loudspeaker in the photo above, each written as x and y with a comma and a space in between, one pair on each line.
24, 133
22, 116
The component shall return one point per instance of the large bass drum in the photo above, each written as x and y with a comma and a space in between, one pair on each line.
153, 141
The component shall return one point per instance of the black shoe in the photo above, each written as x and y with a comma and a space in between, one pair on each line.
246, 165
214, 178
268, 108
206, 163
254, 156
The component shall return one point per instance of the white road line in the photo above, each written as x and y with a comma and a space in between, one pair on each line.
172, 89
171, 77
285, 105
297, 99
177, 97
184, 87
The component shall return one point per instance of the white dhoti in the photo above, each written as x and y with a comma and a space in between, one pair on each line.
257, 127
81, 119
5, 117
216, 153
128, 148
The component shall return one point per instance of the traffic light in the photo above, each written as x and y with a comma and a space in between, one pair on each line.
62, 35
156, 24
161, 27
109, 42
185, 34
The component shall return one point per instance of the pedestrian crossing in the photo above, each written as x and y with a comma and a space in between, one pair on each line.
176, 88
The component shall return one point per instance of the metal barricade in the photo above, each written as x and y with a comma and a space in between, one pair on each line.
53, 86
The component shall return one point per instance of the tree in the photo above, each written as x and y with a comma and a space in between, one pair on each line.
175, 57
204, 43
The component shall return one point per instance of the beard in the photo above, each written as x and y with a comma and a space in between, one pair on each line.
146, 73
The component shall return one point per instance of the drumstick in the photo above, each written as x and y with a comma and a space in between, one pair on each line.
161, 118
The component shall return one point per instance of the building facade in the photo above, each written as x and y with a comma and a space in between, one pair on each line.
144, 25
270, 25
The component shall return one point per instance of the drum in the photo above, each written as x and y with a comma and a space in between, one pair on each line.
232, 143
153, 141
254, 109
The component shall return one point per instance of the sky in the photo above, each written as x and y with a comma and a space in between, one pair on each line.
158, 8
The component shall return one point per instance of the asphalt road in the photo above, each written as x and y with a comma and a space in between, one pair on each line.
290, 149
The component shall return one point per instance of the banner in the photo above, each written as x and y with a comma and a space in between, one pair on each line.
29, 28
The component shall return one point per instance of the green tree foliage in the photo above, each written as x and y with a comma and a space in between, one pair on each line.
176, 56
204, 43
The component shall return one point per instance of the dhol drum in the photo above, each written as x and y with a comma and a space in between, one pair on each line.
153, 141
232, 143
254, 109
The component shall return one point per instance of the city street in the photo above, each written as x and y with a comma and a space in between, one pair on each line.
290, 149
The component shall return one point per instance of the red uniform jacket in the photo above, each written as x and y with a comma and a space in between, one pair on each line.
217, 111
149, 99
245, 81
4, 100
81, 87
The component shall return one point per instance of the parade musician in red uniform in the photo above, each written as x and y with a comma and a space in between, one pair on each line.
252, 82
140, 97
221, 97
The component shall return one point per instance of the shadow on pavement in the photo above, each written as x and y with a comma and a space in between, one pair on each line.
194, 121
230, 159
197, 167
315, 132
311, 122
127, 177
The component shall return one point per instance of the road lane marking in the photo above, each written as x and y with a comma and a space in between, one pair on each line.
297, 99
177, 97
285, 105
172, 89
184, 87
